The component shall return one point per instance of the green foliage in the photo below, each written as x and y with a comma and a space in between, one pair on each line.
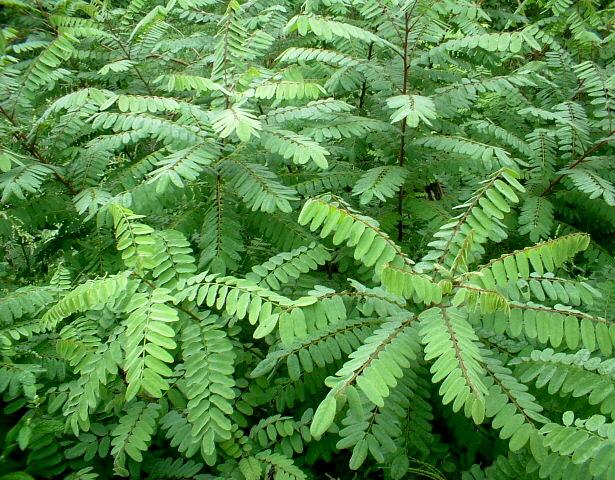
379, 182
133, 433
208, 357
149, 339
268, 240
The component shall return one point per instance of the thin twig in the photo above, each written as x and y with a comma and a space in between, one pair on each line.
364, 86
402, 131
578, 161
31, 148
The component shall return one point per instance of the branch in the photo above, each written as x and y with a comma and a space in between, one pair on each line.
402, 131
579, 160
31, 148
177, 306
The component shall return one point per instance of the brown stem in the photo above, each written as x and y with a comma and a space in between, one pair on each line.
25, 256
364, 86
31, 148
402, 131
128, 57
147, 86
579, 160
177, 306
46, 15
176, 60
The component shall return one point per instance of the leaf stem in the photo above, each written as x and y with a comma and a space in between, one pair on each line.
31, 148
402, 131
576, 163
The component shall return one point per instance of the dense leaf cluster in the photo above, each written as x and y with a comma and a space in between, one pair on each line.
285, 240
